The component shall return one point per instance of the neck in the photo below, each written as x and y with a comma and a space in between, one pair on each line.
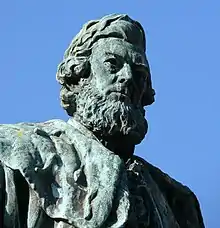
118, 145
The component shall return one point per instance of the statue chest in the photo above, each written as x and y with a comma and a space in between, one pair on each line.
148, 206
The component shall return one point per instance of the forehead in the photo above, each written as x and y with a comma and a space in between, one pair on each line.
115, 46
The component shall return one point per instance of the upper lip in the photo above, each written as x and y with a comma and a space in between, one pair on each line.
122, 94
123, 91
125, 94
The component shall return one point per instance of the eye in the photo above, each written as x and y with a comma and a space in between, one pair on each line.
112, 65
112, 61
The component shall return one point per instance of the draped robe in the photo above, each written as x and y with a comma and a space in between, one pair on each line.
57, 174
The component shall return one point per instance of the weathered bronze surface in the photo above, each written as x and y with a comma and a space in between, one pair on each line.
82, 173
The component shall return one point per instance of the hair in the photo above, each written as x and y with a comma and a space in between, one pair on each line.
75, 67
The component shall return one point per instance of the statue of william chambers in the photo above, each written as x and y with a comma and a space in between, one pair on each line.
82, 173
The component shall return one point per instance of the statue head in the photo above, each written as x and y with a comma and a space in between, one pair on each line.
105, 78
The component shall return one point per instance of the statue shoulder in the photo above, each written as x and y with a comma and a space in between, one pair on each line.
180, 197
25, 142
11, 132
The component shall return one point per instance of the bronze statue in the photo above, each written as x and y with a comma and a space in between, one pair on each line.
82, 173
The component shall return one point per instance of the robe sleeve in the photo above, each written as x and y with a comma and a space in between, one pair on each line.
19, 205
9, 215
2, 194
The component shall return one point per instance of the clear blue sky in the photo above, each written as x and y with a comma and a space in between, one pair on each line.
183, 50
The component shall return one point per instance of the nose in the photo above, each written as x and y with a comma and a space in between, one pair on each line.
126, 75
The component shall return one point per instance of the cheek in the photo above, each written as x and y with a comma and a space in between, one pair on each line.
102, 83
100, 77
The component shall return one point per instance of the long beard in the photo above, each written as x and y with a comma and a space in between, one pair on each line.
107, 117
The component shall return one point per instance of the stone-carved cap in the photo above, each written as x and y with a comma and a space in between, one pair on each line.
114, 25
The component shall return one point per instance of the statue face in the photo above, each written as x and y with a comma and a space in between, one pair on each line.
109, 102
119, 70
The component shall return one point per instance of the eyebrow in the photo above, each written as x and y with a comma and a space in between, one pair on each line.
116, 55
140, 64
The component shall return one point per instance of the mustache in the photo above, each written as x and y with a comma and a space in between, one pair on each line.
125, 93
